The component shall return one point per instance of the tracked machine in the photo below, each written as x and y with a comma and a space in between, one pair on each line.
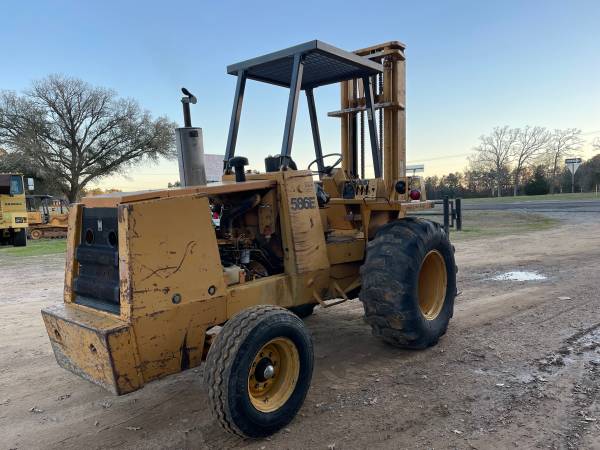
155, 284
48, 217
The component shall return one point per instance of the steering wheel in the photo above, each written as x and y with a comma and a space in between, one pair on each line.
327, 169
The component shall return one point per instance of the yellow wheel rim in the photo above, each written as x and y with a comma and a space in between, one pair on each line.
433, 281
36, 234
273, 374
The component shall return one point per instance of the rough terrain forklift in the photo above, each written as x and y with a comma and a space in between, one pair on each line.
154, 286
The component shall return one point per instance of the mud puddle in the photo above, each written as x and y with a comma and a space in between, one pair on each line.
519, 275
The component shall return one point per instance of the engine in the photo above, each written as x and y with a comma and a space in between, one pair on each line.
246, 254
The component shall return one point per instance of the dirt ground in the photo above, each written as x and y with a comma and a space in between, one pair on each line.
519, 366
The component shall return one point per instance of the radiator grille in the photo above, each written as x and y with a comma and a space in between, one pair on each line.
97, 283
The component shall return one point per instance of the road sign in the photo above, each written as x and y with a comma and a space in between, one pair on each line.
414, 168
573, 164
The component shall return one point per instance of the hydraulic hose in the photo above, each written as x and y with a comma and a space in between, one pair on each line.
230, 214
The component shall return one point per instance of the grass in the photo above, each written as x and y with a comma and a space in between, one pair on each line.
482, 224
478, 224
36, 248
536, 198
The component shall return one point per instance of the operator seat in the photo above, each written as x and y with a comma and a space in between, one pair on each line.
273, 163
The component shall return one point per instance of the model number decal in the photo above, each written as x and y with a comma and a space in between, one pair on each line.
303, 203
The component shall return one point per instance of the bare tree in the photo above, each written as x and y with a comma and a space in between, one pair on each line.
75, 133
495, 152
560, 144
530, 143
596, 144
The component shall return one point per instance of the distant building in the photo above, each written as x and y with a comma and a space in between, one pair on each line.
214, 167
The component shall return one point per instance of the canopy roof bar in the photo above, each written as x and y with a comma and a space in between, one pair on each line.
292, 109
314, 125
235, 117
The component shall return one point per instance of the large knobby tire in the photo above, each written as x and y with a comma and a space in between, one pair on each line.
20, 238
258, 371
409, 283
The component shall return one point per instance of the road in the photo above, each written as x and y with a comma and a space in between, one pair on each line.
550, 206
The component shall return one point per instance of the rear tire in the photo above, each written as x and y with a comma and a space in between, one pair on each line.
20, 238
409, 283
258, 371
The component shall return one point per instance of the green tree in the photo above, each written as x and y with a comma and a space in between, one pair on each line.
538, 184
74, 133
588, 174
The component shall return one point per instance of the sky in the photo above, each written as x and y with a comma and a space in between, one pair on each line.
471, 65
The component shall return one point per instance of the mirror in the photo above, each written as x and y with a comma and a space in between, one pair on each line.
30, 184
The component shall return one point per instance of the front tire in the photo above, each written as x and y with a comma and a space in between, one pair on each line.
409, 283
258, 371
20, 238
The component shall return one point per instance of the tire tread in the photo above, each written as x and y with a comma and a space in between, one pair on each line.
221, 356
388, 275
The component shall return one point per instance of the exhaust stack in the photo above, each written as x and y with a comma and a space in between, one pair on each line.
190, 146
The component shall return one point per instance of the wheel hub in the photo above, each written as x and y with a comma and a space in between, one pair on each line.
433, 282
269, 372
273, 374
264, 370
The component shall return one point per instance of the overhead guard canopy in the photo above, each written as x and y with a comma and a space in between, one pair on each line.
323, 64
303, 67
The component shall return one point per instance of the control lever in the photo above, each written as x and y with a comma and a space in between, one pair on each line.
238, 163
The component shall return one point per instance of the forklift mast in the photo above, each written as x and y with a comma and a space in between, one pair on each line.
386, 115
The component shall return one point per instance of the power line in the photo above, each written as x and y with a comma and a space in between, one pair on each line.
590, 132
457, 155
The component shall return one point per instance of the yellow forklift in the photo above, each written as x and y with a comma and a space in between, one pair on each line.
155, 285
